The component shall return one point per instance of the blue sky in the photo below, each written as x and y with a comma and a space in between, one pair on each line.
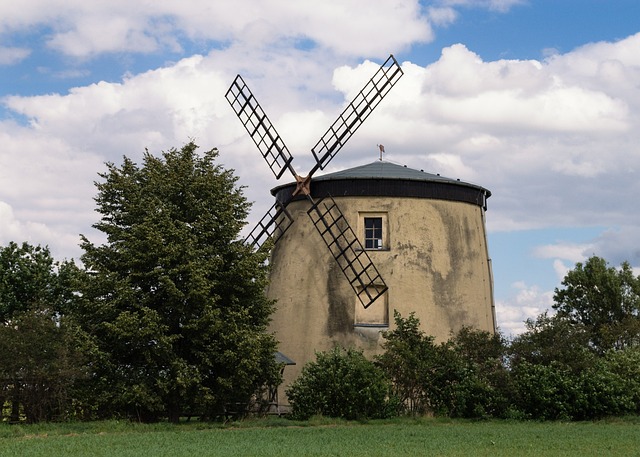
538, 101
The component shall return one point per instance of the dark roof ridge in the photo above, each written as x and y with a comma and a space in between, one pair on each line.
382, 169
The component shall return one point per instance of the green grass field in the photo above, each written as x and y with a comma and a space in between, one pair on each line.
324, 437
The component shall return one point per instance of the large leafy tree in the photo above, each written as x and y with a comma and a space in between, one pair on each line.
603, 299
174, 300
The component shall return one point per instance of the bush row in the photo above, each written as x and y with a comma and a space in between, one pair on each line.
548, 373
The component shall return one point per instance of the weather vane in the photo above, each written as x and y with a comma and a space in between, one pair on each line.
381, 147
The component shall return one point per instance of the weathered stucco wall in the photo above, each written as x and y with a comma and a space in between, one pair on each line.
436, 264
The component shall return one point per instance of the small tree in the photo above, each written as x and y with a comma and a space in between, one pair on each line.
174, 299
463, 377
42, 354
341, 383
426, 376
486, 387
407, 361
605, 300
29, 279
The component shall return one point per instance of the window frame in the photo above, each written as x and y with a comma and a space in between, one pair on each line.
363, 216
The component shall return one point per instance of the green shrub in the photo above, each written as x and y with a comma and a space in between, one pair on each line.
408, 361
464, 377
611, 386
545, 392
341, 383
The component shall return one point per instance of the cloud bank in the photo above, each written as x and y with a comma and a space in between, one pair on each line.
555, 140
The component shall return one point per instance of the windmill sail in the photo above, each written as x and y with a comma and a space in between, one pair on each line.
356, 112
259, 127
327, 218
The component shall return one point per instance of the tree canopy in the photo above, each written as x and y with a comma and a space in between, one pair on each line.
42, 354
30, 278
174, 300
605, 300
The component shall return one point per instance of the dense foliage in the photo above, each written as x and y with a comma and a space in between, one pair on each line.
42, 354
341, 383
174, 300
558, 373
167, 317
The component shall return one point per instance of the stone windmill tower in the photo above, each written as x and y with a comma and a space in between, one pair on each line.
353, 246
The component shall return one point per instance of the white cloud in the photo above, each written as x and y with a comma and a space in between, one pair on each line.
528, 302
10, 228
450, 165
83, 29
572, 252
96, 33
180, 101
516, 94
46, 189
552, 140
561, 269
19, 230
442, 16
615, 245
12, 55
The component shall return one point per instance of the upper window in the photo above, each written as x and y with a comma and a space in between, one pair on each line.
373, 230
373, 233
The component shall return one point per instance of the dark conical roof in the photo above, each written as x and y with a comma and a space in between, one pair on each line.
382, 178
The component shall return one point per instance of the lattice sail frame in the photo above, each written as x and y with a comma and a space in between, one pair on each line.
329, 221
356, 112
259, 127
273, 224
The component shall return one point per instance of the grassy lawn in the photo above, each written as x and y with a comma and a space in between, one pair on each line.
324, 437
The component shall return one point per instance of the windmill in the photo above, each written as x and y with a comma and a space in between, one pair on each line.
329, 221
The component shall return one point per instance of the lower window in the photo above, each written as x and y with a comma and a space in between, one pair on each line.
376, 315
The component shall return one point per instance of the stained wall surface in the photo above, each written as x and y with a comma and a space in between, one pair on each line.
434, 260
